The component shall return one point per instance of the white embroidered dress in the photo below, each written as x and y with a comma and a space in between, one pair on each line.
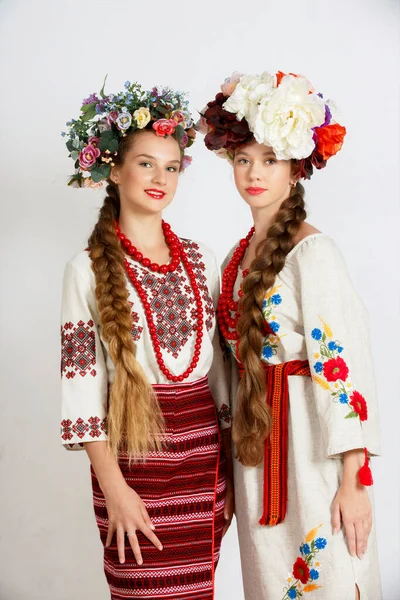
86, 367
316, 316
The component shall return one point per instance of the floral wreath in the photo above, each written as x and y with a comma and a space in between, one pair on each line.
94, 137
282, 111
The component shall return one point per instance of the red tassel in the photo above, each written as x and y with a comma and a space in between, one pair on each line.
365, 474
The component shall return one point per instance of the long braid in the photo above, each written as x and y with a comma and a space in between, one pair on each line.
135, 422
253, 421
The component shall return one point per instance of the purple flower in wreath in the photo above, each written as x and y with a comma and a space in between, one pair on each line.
123, 121
90, 100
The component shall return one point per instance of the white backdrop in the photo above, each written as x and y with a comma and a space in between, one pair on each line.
53, 54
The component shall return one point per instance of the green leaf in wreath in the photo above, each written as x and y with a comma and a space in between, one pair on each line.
351, 415
108, 141
89, 111
102, 89
74, 154
70, 145
76, 143
100, 172
179, 132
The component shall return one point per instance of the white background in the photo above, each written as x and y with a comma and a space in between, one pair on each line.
53, 54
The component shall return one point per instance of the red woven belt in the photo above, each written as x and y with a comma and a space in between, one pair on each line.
276, 444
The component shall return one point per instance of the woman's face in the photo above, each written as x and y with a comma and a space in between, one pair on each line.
261, 179
148, 178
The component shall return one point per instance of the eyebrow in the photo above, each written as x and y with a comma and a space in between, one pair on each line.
266, 153
154, 158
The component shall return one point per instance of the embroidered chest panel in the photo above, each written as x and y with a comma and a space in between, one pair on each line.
172, 302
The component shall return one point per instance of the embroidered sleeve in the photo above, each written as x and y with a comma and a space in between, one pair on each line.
83, 370
219, 375
337, 340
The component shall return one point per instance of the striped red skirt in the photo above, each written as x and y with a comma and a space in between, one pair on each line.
183, 488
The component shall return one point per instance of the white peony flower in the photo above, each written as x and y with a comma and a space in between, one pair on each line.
247, 95
285, 119
334, 110
142, 117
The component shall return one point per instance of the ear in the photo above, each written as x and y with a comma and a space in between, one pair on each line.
114, 175
295, 172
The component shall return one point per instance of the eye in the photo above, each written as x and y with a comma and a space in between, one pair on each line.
146, 165
243, 161
172, 169
270, 161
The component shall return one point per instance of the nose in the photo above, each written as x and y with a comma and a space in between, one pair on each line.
254, 172
159, 176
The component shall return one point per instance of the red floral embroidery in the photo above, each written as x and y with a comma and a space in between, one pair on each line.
94, 426
359, 405
172, 301
301, 570
66, 429
136, 329
336, 369
224, 414
78, 349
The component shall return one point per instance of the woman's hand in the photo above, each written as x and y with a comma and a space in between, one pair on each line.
229, 507
127, 513
352, 507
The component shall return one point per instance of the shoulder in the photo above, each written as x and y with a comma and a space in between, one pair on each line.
79, 267
199, 252
315, 246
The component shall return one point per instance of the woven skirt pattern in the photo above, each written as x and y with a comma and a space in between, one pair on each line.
183, 488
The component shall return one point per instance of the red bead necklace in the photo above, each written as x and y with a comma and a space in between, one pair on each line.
177, 255
226, 303
171, 240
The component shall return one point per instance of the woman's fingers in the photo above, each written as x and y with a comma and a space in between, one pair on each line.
351, 536
147, 519
132, 538
151, 536
121, 544
110, 533
361, 538
336, 518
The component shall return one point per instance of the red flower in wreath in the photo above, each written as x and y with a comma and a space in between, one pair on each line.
336, 369
359, 405
301, 570
226, 131
329, 139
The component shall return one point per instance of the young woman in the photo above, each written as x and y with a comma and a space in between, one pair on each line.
140, 354
305, 413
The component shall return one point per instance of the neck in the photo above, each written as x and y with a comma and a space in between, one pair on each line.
263, 219
144, 231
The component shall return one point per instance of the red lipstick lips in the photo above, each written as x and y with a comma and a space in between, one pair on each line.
255, 191
155, 194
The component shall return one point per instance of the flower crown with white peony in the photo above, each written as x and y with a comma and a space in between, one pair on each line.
93, 138
281, 111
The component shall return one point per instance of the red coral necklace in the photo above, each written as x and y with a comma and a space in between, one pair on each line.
177, 255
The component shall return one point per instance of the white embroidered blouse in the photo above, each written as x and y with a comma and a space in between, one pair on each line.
86, 366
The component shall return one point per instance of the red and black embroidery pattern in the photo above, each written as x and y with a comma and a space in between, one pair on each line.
78, 349
94, 427
224, 414
173, 303
136, 329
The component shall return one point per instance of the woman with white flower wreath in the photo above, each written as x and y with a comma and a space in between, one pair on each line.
305, 417
141, 360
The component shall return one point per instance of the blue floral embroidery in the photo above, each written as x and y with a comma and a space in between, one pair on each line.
316, 334
274, 326
343, 398
320, 543
314, 574
267, 352
332, 346
292, 593
276, 299
318, 367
